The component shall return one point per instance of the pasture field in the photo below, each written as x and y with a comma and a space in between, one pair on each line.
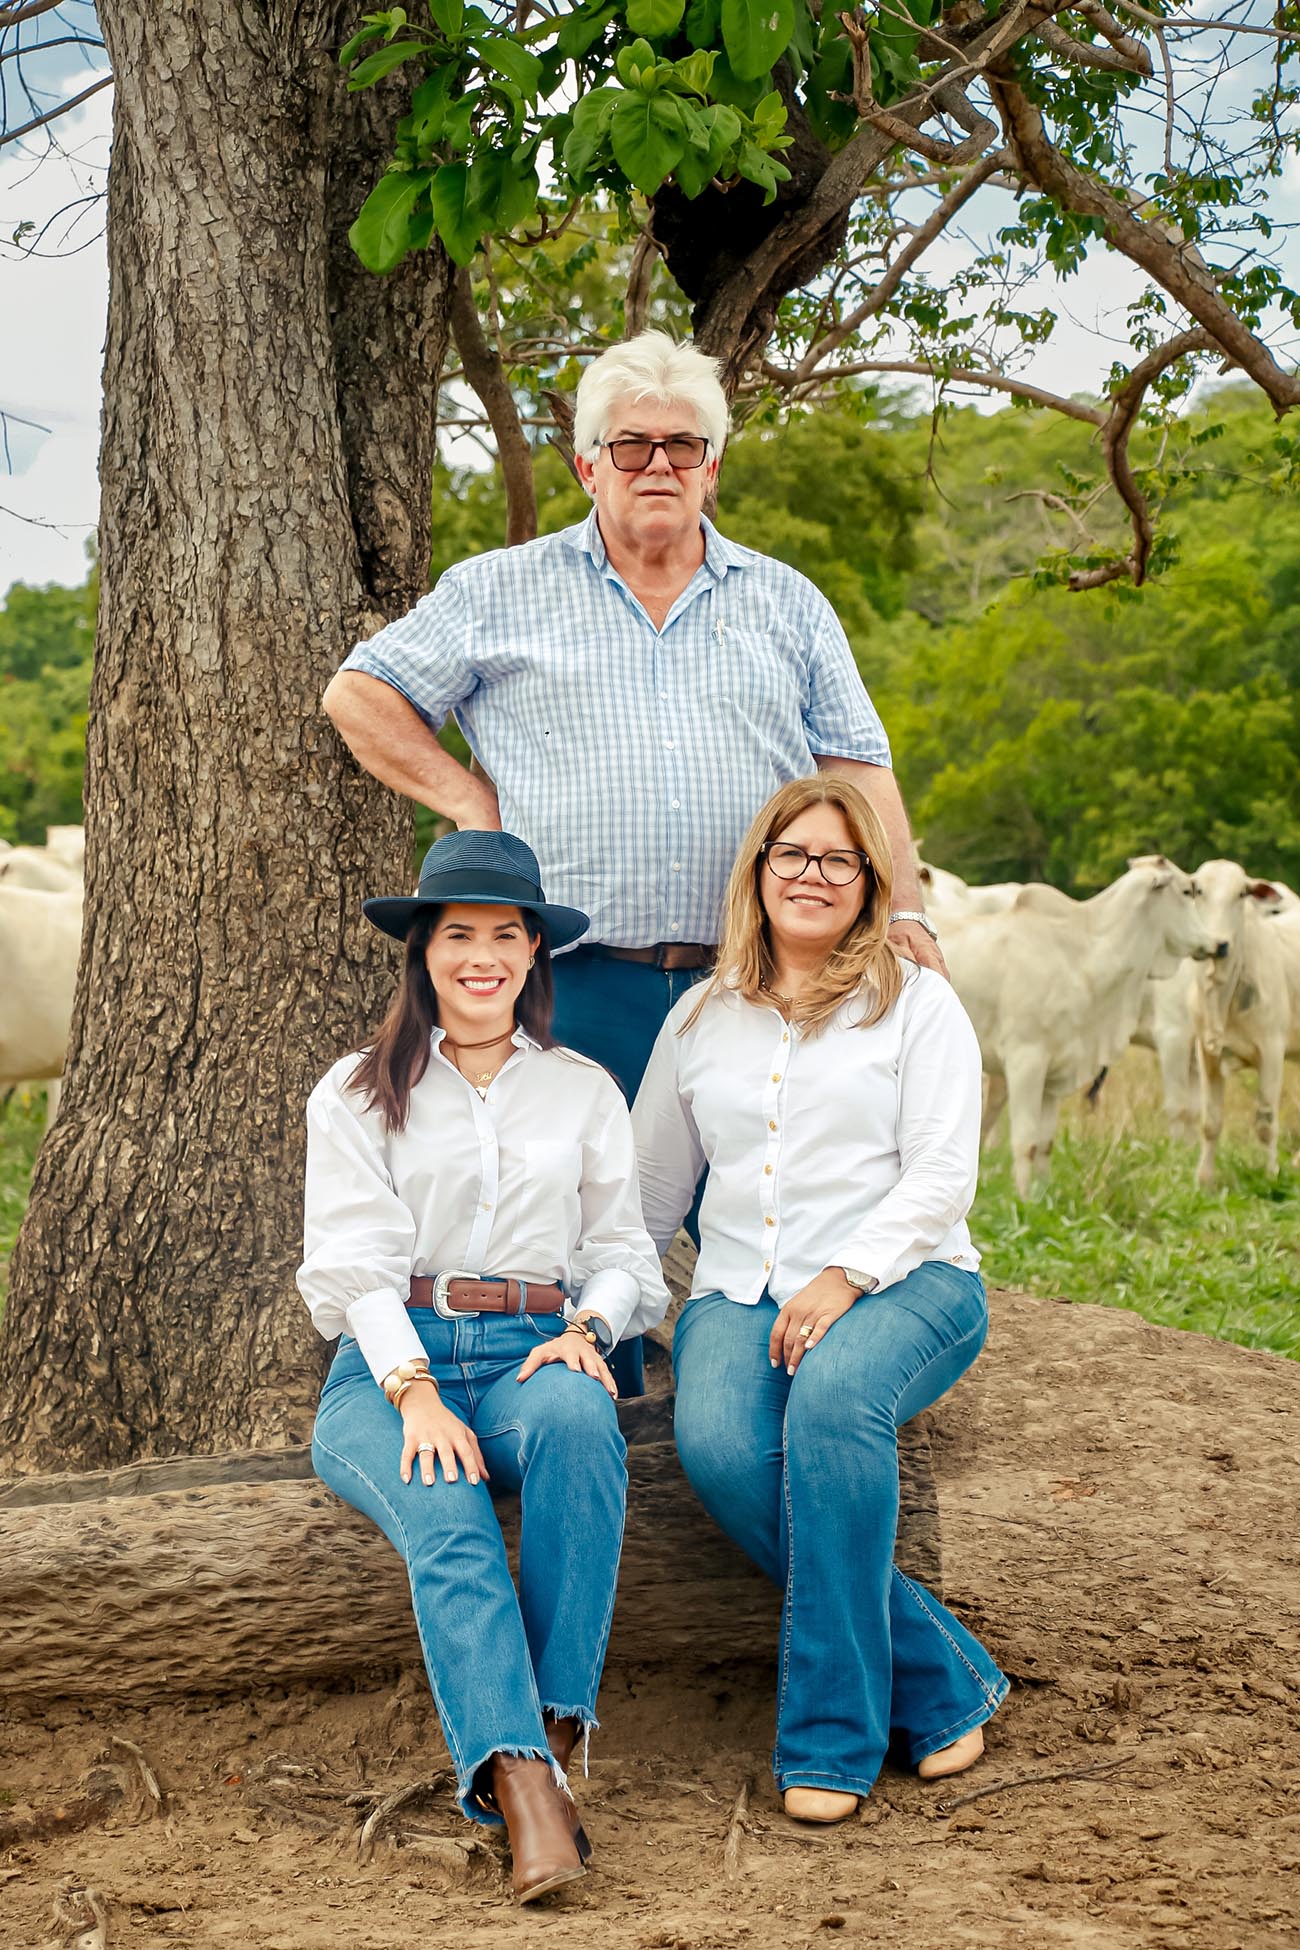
1122, 1222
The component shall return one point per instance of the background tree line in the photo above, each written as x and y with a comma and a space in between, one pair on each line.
1038, 736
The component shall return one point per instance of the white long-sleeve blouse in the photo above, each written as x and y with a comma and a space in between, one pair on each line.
853, 1146
535, 1181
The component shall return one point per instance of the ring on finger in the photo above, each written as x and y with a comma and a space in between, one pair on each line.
425, 1449
805, 1330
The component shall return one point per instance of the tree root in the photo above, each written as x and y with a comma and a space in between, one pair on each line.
82, 1914
1035, 1780
733, 1865
103, 1790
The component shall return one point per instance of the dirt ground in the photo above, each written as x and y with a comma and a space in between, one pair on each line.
1120, 1524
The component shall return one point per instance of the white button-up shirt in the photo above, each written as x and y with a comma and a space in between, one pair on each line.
536, 1181
852, 1147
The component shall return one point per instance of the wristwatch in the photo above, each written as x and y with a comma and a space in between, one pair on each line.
864, 1282
595, 1330
915, 914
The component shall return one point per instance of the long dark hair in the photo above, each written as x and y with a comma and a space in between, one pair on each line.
399, 1055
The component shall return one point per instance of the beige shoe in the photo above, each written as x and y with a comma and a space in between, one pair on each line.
819, 1804
956, 1759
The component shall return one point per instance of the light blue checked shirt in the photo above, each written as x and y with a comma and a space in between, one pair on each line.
631, 759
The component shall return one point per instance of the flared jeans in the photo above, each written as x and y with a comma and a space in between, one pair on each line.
802, 1472
497, 1659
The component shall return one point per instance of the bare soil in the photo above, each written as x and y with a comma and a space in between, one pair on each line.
1120, 1524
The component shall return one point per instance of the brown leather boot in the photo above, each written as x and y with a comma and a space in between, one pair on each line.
539, 1825
562, 1738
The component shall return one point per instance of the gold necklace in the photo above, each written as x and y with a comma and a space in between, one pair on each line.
481, 1078
786, 1001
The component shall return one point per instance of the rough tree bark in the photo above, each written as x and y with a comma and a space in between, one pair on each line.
267, 453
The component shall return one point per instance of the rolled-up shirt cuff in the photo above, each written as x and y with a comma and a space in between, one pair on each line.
613, 1294
384, 1331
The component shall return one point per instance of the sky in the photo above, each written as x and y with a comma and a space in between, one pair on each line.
53, 302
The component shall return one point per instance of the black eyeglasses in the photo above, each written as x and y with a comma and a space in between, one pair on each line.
630, 455
837, 869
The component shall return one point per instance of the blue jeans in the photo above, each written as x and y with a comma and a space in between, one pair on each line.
803, 1474
612, 1011
496, 1660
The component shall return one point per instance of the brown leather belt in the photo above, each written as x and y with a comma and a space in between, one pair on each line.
464, 1295
662, 954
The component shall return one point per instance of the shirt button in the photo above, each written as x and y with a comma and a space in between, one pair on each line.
486, 1206
663, 697
776, 1076
786, 1037
767, 1265
676, 805
770, 1125
669, 746
767, 1171
677, 866
769, 1222
676, 928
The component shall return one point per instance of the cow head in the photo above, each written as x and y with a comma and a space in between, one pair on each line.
1174, 903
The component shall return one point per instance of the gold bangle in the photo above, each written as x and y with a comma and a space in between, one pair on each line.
404, 1371
424, 1375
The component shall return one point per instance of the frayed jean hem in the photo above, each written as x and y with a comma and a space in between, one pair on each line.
587, 1725
933, 1743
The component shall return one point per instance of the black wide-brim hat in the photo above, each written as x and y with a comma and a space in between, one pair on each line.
486, 869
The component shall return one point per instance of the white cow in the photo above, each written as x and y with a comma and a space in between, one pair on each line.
1231, 902
1054, 987
40, 940
67, 843
1245, 1010
39, 870
947, 894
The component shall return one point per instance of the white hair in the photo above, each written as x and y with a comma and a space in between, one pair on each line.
651, 366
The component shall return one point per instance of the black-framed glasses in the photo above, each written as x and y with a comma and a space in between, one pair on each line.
837, 868
631, 454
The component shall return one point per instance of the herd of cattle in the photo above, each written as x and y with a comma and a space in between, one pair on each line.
1203, 968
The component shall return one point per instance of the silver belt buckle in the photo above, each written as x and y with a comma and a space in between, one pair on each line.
442, 1307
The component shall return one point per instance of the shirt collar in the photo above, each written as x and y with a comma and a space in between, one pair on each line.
521, 1039
720, 555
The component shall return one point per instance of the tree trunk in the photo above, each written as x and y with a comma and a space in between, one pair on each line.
198, 1575
267, 454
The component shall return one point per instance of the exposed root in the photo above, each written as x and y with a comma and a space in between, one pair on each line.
82, 1914
404, 1797
733, 1866
149, 1794
1035, 1780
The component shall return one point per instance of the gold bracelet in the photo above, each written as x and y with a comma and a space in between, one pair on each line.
404, 1371
410, 1382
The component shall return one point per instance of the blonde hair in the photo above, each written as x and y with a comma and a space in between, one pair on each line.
863, 957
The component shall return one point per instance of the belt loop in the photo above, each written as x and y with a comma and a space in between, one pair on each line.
523, 1296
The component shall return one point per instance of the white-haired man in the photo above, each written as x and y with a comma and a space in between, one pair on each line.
634, 688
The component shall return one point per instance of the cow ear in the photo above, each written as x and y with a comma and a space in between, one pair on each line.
1264, 892
924, 875
1163, 870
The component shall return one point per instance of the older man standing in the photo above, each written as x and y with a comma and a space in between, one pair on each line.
635, 687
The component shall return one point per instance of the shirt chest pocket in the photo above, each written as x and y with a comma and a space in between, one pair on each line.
752, 674
552, 1167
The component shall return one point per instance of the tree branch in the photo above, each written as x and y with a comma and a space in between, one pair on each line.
486, 374
14, 12
1086, 54
996, 382
1170, 264
53, 114
636, 302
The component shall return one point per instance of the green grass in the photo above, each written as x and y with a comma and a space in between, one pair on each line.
22, 1125
1121, 1223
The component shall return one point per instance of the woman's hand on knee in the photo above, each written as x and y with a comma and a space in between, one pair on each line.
808, 1315
432, 1434
576, 1352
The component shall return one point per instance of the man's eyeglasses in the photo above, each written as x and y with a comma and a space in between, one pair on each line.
630, 455
837, 869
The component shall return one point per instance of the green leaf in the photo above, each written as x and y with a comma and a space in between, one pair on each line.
634, 65
350, 49
694, 71
712, 134
582, 29
726, 86
657, 18
454, 211
648, 136
586, 139
769, 115
704, 22
756, 33
758, 167
384, 60
448, 16
832, 74
430, 106
505, 57
381, 234
503, 192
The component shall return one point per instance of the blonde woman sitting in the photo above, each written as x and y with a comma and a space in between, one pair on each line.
833, 1092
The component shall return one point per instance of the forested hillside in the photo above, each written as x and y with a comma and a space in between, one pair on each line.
1039, 734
